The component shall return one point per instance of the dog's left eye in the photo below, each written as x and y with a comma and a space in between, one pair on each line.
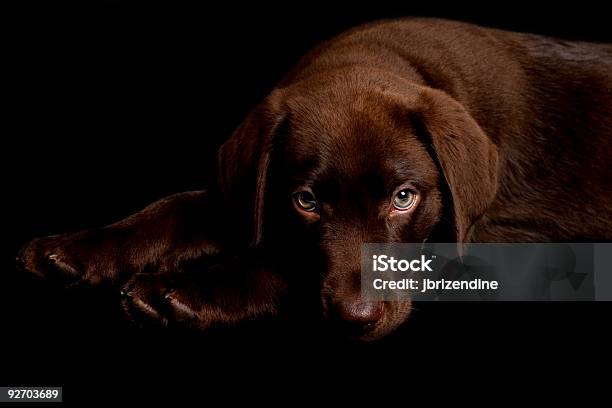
404, 199
306, 201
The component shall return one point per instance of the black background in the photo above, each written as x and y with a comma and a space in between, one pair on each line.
111, 106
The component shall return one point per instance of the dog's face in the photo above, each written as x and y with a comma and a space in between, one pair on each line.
345, 172
342, 164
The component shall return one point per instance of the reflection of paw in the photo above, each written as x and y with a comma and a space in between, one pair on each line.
60, 258
160, 300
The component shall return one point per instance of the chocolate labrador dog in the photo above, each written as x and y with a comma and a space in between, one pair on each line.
397, 131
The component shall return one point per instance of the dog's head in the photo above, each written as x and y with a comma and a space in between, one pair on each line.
321, 167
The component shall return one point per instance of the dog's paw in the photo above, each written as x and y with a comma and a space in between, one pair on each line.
65, 259
161, 300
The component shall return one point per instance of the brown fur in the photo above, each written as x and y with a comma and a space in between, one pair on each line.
503, 136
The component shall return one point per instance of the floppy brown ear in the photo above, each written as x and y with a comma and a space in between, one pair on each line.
467, 157
243, 162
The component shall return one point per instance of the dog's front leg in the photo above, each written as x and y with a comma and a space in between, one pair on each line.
159, 238
172, 262
218, 293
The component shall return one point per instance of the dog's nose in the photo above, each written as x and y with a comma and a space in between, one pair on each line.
360, 313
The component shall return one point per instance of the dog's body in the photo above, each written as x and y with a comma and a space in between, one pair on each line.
405, 130
545, 104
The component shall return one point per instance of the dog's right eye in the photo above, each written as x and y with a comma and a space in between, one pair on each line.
305, 201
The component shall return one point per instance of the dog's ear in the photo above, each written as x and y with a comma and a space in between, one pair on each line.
243, 162
466, 156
